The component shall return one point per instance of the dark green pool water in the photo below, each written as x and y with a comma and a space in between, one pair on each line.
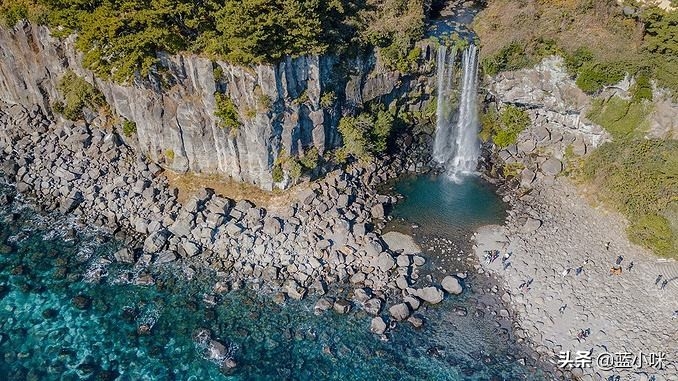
43, 336
447, 208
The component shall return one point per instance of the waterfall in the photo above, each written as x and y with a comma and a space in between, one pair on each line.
456, 145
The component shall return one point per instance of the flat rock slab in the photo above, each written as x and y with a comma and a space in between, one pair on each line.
399, 241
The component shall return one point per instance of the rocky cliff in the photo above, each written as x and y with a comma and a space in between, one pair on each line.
174, 108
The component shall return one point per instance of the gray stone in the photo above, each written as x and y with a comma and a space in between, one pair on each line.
342, 306
384, 262
372, 306
322, 305
531, 225
155, 241
399, 312
416, 322
378, 326
552, 167
413, 302
451, 285
377, 211
166, 257
360, 295
272, 226
191, 249
124, 255
431, 295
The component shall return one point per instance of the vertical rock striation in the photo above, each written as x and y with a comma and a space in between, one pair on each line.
279, 105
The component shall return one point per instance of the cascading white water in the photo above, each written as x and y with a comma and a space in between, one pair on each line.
456, 145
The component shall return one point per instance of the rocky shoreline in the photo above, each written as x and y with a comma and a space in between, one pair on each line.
569, 272
326, 237
559, 252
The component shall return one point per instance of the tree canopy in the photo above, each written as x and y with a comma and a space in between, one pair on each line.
122, 37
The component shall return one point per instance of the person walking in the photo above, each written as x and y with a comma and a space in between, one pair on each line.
656, 281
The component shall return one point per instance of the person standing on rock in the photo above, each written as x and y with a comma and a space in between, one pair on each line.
664, 283
630, 266
656, 281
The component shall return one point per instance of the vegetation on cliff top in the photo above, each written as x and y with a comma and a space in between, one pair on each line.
598, 40
121, 38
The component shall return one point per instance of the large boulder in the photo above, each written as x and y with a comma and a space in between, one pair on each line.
451, 285
552, 167
378, 326
432, 295
384, 262
372, 306
272, 226
155, 242
399, 312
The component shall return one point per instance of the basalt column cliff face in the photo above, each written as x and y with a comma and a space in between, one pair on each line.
174, 108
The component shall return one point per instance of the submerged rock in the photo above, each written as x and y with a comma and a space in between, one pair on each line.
82, 302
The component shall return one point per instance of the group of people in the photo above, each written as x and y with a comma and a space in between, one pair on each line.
492, 255
583, 334
664, 283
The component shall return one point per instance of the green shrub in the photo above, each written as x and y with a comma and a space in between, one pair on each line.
77, 94
328, 99
504, 127
294, 169
593, 76
277, 173
368, 133
226, 112
654, 232
511, 57
301, 99
310, 159
621, 118
639, 177
642, 89
577, 59
264, 102
129, 128
218, 72
169, 155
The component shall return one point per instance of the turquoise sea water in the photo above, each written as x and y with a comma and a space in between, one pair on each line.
43, 336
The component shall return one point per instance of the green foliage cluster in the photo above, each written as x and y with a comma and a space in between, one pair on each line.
13, 11
129, 128
622, 118
226, 112
511, 57
120, 38
277, 174
516, 35
368, 133
169, 154
77, 95
503, 127
640, 178
394, 26
327, 99
293, 166
310, 159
